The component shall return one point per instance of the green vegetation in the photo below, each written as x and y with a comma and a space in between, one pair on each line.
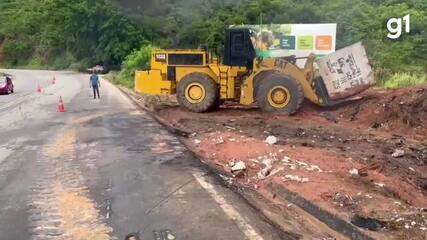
80, 33
363, 20
400, 80
137, 60
58, 33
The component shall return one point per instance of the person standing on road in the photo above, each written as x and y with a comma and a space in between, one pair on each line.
95, 84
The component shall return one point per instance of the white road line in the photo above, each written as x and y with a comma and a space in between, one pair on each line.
231, 212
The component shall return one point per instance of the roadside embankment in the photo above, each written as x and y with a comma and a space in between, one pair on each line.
357, 170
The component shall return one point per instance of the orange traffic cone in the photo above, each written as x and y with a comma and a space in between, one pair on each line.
39, 88
61, 106
53, 80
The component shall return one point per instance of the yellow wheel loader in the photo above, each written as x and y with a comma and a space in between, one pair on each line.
201, 83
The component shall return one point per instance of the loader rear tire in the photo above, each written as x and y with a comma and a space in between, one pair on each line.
198, 92
280, 94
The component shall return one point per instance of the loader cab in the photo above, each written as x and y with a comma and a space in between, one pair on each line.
239, 49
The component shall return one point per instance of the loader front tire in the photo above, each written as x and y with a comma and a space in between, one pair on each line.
280, 94
197, 92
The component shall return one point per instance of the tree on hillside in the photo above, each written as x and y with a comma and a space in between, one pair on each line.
89, 30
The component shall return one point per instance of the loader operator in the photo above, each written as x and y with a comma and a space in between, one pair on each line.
95, 84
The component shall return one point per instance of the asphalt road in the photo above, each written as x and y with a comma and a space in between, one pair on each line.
103, 170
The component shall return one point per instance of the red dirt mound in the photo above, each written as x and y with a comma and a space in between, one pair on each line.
392, 109
381, 136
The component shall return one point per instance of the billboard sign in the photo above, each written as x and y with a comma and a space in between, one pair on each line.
279, 40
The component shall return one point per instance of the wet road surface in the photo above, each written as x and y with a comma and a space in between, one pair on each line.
103, 170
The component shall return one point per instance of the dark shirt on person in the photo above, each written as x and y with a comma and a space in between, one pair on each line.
94, 80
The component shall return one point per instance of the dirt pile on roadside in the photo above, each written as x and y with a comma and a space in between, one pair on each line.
402, 109
410, 108
365, 161
152, 103
317, 162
